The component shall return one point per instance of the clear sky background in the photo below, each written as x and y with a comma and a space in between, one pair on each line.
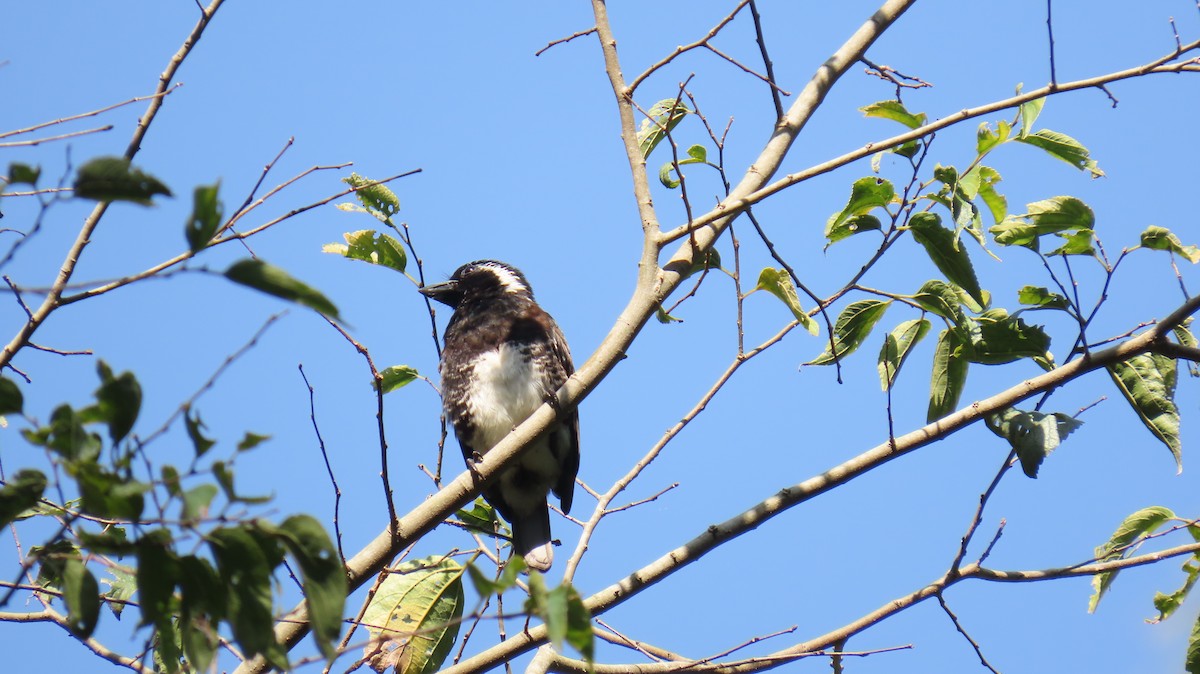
521, 161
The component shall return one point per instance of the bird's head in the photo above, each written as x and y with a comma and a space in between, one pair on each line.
482, 280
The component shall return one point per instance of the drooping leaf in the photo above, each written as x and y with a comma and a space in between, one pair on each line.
1161, 238
20, 493
851, 329
1148, 382
114, 179
942, 299
662, 118
996, 203
866, 195
1192, 661
486, 587
370, 246
323, 577
81, 593
206, 217
415, 613
378, 199
1061, 146
118, 401
947, 253
245, 565
480, 517
1037, 296
696, 154
1034, 435
779, 283
1030, 110
275, 281
895, 111
157, 574
11, 399
896, 347
949, 375
1120, 544
1167, 604
1049, 216
195, 430
224, 476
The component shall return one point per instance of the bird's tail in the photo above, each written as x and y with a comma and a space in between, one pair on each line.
531, 539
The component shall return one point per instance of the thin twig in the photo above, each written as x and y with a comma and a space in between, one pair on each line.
570, 37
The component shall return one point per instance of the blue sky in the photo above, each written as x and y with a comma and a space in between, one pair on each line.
521, 161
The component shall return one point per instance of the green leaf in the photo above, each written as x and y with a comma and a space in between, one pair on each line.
66, 436
1161, 238
251, 440
947, 254
114, 179
370, 246
1041, 297
663, 317
779, 283
108, 495
118, 401
1148, 382
206, 217
415, 614
1184, 336
1001, 338
1121, 543
996, 203
1029, 114
943, 299
245, 565
157, 573
196, 502
20, 493
1064, 147
697, 154
660, 120
1167, 604
195, 428
19, 173
1034, 435
949, 375
866, 195
396, 376
224, 477
567, 619
851, 329
323, 576
111, 541
895, 111
480, 517
377, 199
896, 347
986, 140
81, 593
1048, 216
486, 587
202, 605
275, 281
1076, 243
11, 399
121, 587
1192, 662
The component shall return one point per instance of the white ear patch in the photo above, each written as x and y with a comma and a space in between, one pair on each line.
509, 280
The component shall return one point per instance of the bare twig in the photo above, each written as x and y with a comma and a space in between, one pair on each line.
337, 491
559, 41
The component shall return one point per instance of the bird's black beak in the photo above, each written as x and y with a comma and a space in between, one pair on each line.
446, 292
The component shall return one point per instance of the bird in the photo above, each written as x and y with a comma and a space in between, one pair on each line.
503, 357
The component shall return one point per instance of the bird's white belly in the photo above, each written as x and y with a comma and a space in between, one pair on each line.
504, 393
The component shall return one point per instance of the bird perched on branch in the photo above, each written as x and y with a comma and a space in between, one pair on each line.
504, 357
